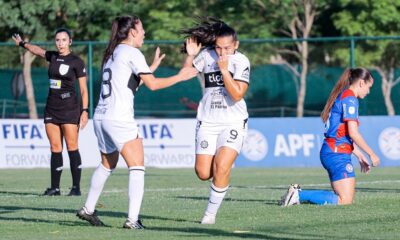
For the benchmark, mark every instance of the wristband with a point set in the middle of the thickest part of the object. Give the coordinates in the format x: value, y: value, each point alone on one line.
x: 22, y: 44
x: 85, y: 110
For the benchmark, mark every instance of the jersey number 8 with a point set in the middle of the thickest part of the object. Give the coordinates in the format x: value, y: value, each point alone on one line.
x: 106, y: 83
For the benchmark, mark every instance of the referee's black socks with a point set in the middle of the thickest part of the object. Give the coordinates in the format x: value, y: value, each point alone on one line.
x: 56, y: 166
x: 76, y: 168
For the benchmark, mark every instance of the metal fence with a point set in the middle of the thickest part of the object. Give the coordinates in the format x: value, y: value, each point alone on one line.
x: 324, y: 53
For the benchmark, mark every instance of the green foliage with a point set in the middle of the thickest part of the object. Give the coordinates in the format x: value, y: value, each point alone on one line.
x: 369, y: 18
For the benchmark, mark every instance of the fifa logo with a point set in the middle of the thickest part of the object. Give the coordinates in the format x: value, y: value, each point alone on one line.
x: 21, y: 131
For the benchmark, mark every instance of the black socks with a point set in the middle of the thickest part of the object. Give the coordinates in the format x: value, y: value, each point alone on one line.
x: 76, y: 168
x: 56, y: 166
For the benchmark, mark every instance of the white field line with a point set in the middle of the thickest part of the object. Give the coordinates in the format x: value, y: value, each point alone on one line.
x: 125, y: 190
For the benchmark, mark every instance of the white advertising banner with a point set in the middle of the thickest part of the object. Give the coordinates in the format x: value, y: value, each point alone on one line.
x: 168, y: 143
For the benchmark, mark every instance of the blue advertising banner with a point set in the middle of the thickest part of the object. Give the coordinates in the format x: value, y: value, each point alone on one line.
x: 295, y: 142
x: 169, y: 143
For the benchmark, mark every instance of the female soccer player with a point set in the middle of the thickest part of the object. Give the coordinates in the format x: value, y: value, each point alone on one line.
x: 342, y: 138
x: 124, y: 67
x: 63, y: 113
x: 222, y: 112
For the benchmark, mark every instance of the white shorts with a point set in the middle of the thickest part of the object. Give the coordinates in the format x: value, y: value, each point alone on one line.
x: 210, y: 136
x: 112, y: 135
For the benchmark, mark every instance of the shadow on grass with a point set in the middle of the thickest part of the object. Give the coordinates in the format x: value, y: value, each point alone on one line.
x: 20, y: 193
x: 101, y: 213
x: 213, y: 232
x: 264, y: 201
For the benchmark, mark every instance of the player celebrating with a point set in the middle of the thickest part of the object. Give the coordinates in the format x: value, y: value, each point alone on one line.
x: 222, y: 112
x: 115, y: 127
x: 63, y: 113
x: 342, y: 138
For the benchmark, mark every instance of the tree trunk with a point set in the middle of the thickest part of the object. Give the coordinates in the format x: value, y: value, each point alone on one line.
x: 30, y: 95
x: 303, y: 83
x: 387, y: 89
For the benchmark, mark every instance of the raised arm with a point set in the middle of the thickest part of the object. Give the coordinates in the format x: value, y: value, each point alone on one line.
x: 192, y: 48
x: 236, y: 89
x: 34, y: 49
x: 154, y: 83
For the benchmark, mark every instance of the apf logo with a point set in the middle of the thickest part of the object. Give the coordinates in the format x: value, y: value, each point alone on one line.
x: 389, y: 143
x: 294, y: 144
x: 21, y: 131
x: 255, y: 146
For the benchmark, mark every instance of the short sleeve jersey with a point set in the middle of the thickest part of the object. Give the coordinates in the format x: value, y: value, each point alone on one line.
x: 63, y: 73
x: 217, y: 106
x: 344, y: 109
x: 120, y: 80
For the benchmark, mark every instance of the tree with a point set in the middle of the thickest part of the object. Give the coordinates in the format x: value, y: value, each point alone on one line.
x: 38, y: 20
x: 390, y: 60
x: 373, y: 18
x: 29, y: 18
x: 298, y: 18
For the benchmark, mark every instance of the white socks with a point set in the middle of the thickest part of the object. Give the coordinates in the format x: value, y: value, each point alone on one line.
x: 136, y: 190
x: 99, y: 178
x: 215, y: 200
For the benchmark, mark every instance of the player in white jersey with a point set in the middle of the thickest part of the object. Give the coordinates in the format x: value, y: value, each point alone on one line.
x: 222, y: 113
x: 124, y: 67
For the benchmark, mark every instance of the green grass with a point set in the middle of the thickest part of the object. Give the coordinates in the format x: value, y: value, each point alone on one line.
x: 175, y: 199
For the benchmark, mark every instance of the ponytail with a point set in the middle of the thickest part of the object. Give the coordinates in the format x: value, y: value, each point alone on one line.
x: 339, y: 87
x: 349, y: 77
x: 119, y: 32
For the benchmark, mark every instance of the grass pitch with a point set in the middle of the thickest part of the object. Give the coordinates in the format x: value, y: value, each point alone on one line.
x: 175, y: 199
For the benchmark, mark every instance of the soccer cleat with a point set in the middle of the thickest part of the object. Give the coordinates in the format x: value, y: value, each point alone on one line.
x: 291, y: 197
x: 51, y: 192
x: 208, y: 219
x: 75, y: 191
x: 91, y: 218
x: 133, y: 225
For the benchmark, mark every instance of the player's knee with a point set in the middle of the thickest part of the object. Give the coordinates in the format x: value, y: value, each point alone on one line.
x: 222, y: 171
x: 71, y: 145
x: 56, y: 148
x: 203, y: 175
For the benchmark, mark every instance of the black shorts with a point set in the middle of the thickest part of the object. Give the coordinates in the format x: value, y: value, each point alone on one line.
x: 62, y: 112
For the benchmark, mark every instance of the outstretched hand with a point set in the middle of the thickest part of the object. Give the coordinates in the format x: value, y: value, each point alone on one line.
x: 157, y: 58
x: 17, y: 38
x: 192, y: 46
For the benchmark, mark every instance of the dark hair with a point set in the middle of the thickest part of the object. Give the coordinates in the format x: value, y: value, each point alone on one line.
x: 68, y: 32
x: 119, y: 32
x: 349, y: 77
x: 207, y: 30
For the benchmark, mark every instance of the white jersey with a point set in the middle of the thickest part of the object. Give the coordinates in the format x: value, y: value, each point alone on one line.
x: 120, y: 82
x: 217, y: 106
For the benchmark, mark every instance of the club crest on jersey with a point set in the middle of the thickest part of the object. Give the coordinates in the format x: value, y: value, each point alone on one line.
x: 352, y: 110
x: 204, y: 144
x: 63, y: 69
x: 349, y: 168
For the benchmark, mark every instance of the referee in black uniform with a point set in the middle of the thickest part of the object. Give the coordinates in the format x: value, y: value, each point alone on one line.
x: 64, y: 114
